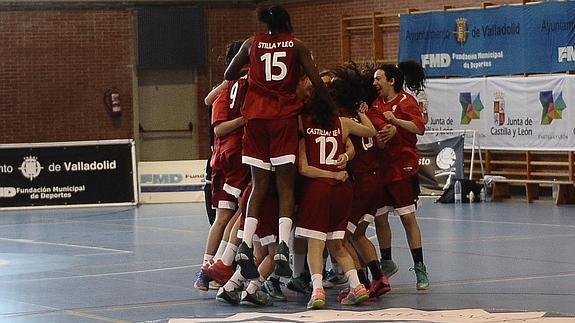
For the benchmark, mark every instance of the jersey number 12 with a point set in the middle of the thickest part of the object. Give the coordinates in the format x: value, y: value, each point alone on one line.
x: 323, y: 141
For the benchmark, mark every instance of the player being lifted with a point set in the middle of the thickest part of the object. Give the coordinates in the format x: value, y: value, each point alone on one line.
x: 276, y: 60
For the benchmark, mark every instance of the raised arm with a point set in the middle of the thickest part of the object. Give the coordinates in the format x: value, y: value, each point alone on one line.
x: 209, y: 99
x: 239, y: 61
x: 365, y: 129
x: 310, y: 69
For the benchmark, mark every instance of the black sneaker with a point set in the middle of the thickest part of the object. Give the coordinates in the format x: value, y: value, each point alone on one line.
x: 224, y: 296
x: 300, y: 284
x: 259, y: 298
x: 281, y: 258
x: 332, y: 279
x: 272, y: 287
x: 245, y: 259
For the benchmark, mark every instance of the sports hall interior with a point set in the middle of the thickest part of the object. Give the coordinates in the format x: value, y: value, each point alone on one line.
x: 508, y: 259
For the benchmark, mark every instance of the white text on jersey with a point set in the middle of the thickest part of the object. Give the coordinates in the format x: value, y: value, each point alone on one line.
x: 321, y: 132
x: 274, y: 45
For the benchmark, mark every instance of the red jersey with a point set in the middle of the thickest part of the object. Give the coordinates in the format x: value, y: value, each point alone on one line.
x: 323, y: 146
x: 377, y: 119
x: 366, y: 155
x: 273, y: 78
x: 227, y: 106
x: 399, y: 159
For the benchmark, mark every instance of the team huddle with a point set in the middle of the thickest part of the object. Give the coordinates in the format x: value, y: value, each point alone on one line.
x: 303, y: 163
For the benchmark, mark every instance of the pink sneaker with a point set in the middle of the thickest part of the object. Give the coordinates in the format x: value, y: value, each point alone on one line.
x: 379, y: 287
x: 317, y: 300
x: 342, y: 294
x: 356, y: 296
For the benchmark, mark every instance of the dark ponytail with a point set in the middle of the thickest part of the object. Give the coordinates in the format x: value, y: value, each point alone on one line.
x: 414, y: 75
x: 265, y: 16
x: 276, y: 18
x: 409, y: 73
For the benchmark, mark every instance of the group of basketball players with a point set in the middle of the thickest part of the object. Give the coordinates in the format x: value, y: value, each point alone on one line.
x: 302, y: 160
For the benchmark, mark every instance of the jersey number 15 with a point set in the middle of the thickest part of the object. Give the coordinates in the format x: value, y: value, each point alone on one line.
x: 273, y: 60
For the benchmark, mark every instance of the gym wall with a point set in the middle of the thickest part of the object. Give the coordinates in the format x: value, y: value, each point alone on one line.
x: 57, y: 63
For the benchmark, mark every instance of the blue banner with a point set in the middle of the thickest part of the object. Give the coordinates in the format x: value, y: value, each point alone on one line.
x: 505, y: 40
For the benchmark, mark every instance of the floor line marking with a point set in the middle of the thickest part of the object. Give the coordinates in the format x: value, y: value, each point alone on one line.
x: 136, y: 226
x: 100, y: 275
x: 101, y: 254
x: 374, y: 238
x: 28, y: 241
x: 493, y: 280
x: 496, y: 222
x: 94, y: 317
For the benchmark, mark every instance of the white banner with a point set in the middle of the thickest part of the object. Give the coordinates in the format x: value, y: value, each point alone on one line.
x: 523, y: 113
x: 172, y: 181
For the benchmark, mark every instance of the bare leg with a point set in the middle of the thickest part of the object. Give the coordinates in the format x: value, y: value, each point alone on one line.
x: 215, y: 234
x: 338, y: 250
x: 383, y: 231
x: 315, y: 261
x: 366, y: 249
x: 411, y: 230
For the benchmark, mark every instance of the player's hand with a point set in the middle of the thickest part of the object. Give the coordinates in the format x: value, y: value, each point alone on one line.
x: 386, y: 133
x: 341, y: 161
x: 390, y: 117
x: 342, y: 176
x: 362, y: 107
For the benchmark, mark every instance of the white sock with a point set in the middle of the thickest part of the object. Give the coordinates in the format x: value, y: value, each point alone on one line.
x: 235, y: 281
x: 298, y: 264
x: 255, y: 285
x: 229, y: 254
x: 221, y: 249
x: 250, y: 226
x: 207, y: 258
x: 352, y: 278
x: 285, y: 225
x: 316, y: 281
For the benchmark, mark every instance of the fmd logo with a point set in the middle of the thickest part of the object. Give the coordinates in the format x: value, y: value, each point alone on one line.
x: 435, y: 60
x: 161, y: 178
x: 566, y: 54
x: 7, y: 191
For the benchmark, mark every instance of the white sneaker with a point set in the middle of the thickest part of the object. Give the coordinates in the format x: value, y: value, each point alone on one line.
x: 214, y: 285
